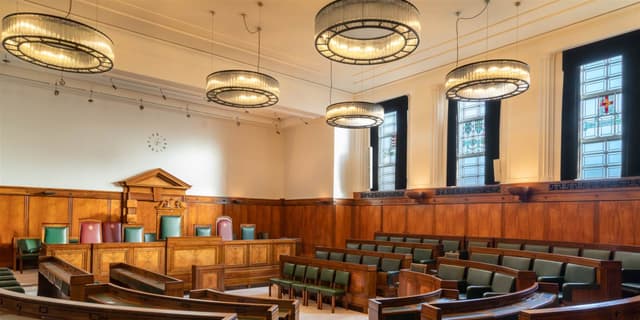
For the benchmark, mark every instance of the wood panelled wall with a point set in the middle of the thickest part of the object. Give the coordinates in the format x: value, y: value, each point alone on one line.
x: 608, y: 216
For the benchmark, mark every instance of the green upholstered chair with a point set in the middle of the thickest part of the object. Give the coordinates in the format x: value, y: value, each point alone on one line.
x: 150, y: 237
x: 352, y: 245
x: 430, y: 241
x: 396, y: 239
x: 509, y: 245
x: 324, y: 255
x: 371, y: 261
x: 368, y: 247
x: 336, y: 256
x: 630, y: 271
x: 169, y: 226
x: 338, y: 289
x: 18, y: 289
x: 202, y: 230
x: 248, y: 231
x: 422, y: 255
x: 132, y: 233
x: 325, y: 281
x: 477, y: 244
x: 287, y: 275
x: 536, y: 248
x: 353, y: 258
x: 381, y: 238
x: 485, y: 257
x: 392, y: 268
x: 418, y: 267
x: 310, y: 278
x: 55, y: 233
x: 477, y: 278
x: 298, y: 277
x: 25, y: 249
x: 518, y: 263
x: 403, y: 250
x: 596, y: 254
x: 383, y: 248
x: 450, y: 245
x: 577, y: 276
x: 7, y: 277
x: 454, y: 273
x: 413, y: 240
x: 567, y: 251
x: 501, y: 284
x: 547, y: 270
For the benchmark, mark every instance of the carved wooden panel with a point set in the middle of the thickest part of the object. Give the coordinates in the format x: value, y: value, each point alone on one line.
x: 103, y: 257
x: 183, y: 252
x: 235, y: 255
x: 619, y: 222
x: 259, y: 254
x: 286, y: 249
x: 78, y: 255
x: 149, y: 258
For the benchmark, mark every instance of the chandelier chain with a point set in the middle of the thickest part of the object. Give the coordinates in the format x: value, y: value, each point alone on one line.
x: 69, y: 11
x: 213, y: 14
x: 330, y: 81
x: 486, y: 5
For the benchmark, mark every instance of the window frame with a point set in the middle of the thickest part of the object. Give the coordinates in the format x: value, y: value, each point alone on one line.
x: 401, y: 106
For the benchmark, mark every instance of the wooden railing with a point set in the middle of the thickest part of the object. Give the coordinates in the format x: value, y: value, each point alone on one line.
x: 59, y: 279
x: 289, y: 309
x: 128, y: 276
x: 620, y: 309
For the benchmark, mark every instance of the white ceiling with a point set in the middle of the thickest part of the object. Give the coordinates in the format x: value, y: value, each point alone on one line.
x: 288, y: 32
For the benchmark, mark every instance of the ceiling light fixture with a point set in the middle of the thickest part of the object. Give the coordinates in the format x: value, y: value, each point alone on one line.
x: 487, y: 79
x: 243, y: 88
x: 367, y: 31
x: 57, y: 42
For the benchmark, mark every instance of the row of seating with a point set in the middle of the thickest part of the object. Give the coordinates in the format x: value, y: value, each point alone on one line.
x: 447, y: 244
x: 420, y: 255
x: 8, y: 281
x: 476, y: 283
x: 311, y: 280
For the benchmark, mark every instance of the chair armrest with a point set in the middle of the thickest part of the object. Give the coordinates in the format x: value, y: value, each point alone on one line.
x: 631, y: 275
x: 393, y: 277
x: 474, y: 292
x: 553, y: 279
x: 493, y: 294
x: 567, y: 289
x: 426, y: 261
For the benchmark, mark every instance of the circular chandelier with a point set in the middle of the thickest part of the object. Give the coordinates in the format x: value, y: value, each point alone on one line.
x: 488, y: 80
x: 243, y: 89
x: 365, y: 32
x: 355, y: 115
x: 57, y: 43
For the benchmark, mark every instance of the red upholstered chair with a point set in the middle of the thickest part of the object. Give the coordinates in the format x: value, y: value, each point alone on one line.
x: 90, y: 231
x: 224, y: 227
x: 111, y: 232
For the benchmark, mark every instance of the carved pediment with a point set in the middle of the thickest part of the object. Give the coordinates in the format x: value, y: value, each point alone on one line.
x: 156, y: 178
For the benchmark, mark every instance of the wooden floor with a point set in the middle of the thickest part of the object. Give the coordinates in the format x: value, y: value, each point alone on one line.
x: 29, y: 281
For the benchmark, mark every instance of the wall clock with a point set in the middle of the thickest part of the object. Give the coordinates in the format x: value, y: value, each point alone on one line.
x: 157, y: 143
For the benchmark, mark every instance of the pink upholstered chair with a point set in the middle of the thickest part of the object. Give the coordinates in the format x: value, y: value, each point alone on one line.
x: 224, y: 227
x: 112, y: 232
x: 90, y: 231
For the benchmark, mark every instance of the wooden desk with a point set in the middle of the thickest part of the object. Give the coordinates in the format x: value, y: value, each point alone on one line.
x: 77, y: 254
x: 18, y: 304
x: 417, y: 283
x: 149, y: 256
x: 128, y: 276
x: 628, y: 308
x: 59, y: 279
x: 184, y: 252
x: 289, y: 309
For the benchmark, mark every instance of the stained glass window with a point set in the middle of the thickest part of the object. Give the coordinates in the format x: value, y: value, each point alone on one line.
x: 387, y: 142
x: 600, y: 136
x: 471, y: 144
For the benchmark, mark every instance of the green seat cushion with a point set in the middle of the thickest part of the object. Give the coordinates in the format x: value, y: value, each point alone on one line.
x: 248, y: 233
x: 331, y: 291
x: 316, y: 288
x: 567, y: 251
x: 390, y: 264
x: 477, y: 243
x: 56, y: 235
x: 450, y: 272
x: 352, y: 258
x: 149, y: 237
x: 336, y: 256
x: 31, y: 245
x: 368, y: 247
x: 485, y: 257
x: 18, y: 289
x: 430, y: 241
x: 9, y: 283
x: 579, y: 274
x: 396, y: 239
x: 324, y: 255
x: 7, y: 277
x: 518, y: 263
x: 203, y: 231
x: 547, y: 268
x: 351, y: 245
x: 596, y: 254
x: 381, y: 238
x: 502, y: 283
x: 133, y: 234
x: 414, y: 240
x: 536, y: 248
x: 507, y: 245
x: 479, y: 277
x: 629, y: 260
x: 382, y: 248
x: 170, y: 226
x: 404, y: 250
x: 450, y: 245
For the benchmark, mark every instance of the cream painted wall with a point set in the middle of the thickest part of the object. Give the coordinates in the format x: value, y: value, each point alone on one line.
x: 530, y: 123
x: 66, y: 142
x: 308, y: 159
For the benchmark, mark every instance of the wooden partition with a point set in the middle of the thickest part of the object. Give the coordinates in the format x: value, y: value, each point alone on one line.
x: 128, y: 276
x: 524, y: 279
x: 416, y: 283
x: 405, y: 307
x: 78, y: 255
x: 184, y: 252
x: 362, y: 278
x: 405, y: 259
x: 289, y: 308
x: 147, y: 255
x: 436, y: 249
x: 59, y: 279
x: 618, y: 309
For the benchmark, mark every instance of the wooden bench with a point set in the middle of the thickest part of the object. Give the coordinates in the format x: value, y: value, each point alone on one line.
x: 362, y: 279
x: 416, y: 283
x: 32, y: 307
x: 289, y: 309
x: 608, y: 274
x: 524, y: 279
x: 407, y: 307
x: 128, y: 276
x: 436, y: 249
x: 498, y: 307
x: 111, y: 294
x: 628, y: 308
x: 60, y: 279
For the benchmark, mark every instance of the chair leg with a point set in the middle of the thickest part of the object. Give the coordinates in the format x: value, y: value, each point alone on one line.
x: 319, y: 302
x: 270, y: 285
x: 21, y: 265
x: 305, y: 297
x: 333, y: 304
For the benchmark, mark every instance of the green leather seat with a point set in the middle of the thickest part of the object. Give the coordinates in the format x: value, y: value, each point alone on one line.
x: 56, y: 235
x: 133, y: 234
x: 596, y: 254
x: 577, y: 276
x: 413, y: 240
x: 368, y: 247
x: 352, y: 245
x: 547, y: 270
x: 477, y: 244
x: 371, y: 261
x: 18, y: 289
x: 287, y: 274
x: 509, y: 245
x: 336, y: 256
x: 382, y: 248
x: 248, y: 232
x: 392, y: 268
x: 450, y: 245
x: 7, y: 277
x: 451, y: 272
x: 536, y: 248
x: 324, y: 255
x: 170, y: 226
x: 567, y: 251
x: 298, y: 277
x: 9, y: 283
x: 477, y: 278
x: 203, y: 231
x: 339, y: 289
x: 403, y: 250
x: 396, y: 239
x: 353, y: 258
x: 485, y: 257
x: 518, y: 263
x: 501, y: 284
x: 430, y: 241
x: 310, y: 278
x: 381, y: 238
x: 149, y: 237
x: 28, y: 249
x: 423, y: 256
x: 630, y: 271
x: 325, y: 281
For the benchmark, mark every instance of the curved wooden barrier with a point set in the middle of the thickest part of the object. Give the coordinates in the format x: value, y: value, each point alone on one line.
x: 524, y: 279
x: 620, y: 309
x: 111, y: 294
x: 12, y: 303
x: 59, y: 279
x: 289, y: 309
x: 128, y: 276
x: 407, y: 307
